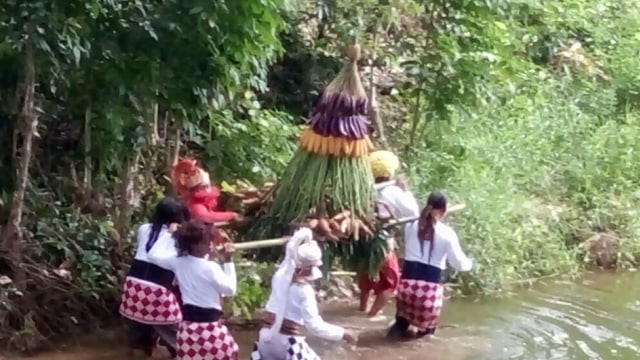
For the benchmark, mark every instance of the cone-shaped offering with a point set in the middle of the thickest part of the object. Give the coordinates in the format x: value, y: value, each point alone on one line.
x: 338, y: 124
x: 328, y: 184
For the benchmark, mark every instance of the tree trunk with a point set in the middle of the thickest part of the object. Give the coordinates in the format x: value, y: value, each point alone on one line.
x: 374, y: 114
x: 86, y: 181
x: 151, y: 124
x: 173, y: 152
x: 154, y: 126
x: 175, y: 155
x: 127, y: 201
x: 127, y: 197
x: 173, y: 145
x: 28, y: 123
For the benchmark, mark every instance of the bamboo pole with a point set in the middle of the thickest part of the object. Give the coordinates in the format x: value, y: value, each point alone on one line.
x: 258, y: 244
x: 384, y: 184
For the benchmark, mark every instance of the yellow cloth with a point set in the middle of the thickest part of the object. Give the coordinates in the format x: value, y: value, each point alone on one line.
x: 383, y: 163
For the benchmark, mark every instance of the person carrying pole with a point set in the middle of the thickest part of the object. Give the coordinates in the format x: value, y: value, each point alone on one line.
x: 429, y: 245
x: 203, y: 282
x: 149, y: 300
x: 392, y: 201
x: 292, y: 305
x: 203, y: 198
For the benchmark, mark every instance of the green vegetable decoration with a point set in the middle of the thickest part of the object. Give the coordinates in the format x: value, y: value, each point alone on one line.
x: 328, y: 184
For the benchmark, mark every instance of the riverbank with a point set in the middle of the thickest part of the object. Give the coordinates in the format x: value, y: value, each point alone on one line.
x: 589, y: 319
x: 548, y: 181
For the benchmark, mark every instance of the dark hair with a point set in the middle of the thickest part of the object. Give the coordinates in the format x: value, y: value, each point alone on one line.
x: 436, y: 201
x: 169, y: 210
x: 191, y: 233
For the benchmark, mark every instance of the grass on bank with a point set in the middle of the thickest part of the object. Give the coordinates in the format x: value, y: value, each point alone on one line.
x: 540, y: 174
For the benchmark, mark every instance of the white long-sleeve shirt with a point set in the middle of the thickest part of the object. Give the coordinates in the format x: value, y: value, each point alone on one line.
x: 202, y: 282
x: 446, y: 248
x: 401, y: 202
x: 164, y: 246
x: 302, y: 308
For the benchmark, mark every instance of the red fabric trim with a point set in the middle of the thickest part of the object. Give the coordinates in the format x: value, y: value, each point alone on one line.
x: 203, y: 205
x: 201, y: 212
x: 389, y: 277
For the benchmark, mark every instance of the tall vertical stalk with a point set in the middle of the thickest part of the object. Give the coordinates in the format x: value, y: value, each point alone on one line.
x: 27, y: 125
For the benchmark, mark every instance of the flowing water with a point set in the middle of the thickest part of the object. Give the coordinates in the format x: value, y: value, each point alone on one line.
x: 595, y: 318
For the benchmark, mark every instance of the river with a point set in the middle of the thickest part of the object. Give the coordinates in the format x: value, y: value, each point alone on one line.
x: 594, y: 318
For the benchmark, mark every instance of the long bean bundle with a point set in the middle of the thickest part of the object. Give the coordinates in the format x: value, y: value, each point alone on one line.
x: 329, y: 178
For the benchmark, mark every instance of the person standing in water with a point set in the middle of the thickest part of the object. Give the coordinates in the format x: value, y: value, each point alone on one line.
x: 392, y: 201
x: 147, y: 300
x: 292, y: 305
x: 429, y: 245
x: 201, y: 334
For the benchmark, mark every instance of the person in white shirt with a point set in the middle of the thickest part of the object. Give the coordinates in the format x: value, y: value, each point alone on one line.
x: 429, y: 245
x: 392, y: 201
x: 149, y: 301
x: 201, y: 335
x: 292, y: 305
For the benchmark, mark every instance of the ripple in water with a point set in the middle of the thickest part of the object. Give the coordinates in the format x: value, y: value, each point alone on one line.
x: 595, y: 319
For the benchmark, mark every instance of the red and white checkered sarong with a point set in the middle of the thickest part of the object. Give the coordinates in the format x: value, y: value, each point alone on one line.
x: 205, y: 341
x: 149, y: 303
x: 420, y: 302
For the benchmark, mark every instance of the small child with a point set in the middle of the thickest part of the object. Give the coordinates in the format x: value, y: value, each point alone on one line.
x: 203, y: 282
x: 384, y: 288
x: 392, y: 201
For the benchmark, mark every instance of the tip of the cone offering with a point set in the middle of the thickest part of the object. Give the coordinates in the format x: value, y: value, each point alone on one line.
x: 354, y: 52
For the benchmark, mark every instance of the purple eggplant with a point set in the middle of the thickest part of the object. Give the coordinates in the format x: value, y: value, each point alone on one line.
x: 335, y: 124
x: 340, y: 116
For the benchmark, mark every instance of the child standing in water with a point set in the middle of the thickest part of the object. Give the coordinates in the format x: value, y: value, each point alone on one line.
x: 429, y: 245
x: 201, y: 334
x: 392, y: 201
x: 292, y: 306
x: 148, y: 303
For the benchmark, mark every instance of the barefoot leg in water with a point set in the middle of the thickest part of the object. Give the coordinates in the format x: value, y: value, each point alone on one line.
x: 387, y: 283
x: 365, y: 284
x: 380, y: 301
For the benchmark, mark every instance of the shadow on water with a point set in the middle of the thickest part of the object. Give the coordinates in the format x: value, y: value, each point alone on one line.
x: 594, y: 318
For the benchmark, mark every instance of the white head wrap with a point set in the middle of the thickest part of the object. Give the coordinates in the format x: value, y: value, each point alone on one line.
x: 301, y: 252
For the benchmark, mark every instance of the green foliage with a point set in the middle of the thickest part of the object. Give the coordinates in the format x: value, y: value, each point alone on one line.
x: 71, y: 235
x: 120, y: 85
x: 254, y: 282
x: 255, y: 148
x: 554, y: 173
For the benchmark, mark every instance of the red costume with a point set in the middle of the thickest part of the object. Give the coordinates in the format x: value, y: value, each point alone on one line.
x: 195, y: 189
x: 388, y: 277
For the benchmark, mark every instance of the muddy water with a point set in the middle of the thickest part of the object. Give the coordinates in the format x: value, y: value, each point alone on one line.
x: 596, y: 318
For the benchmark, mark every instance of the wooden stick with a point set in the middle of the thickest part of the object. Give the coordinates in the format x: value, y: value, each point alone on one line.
x: 382, y: 185
x: 409, y: 219
x: 222, y: 224
x: 258, y: 244
x: 225, y: 224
